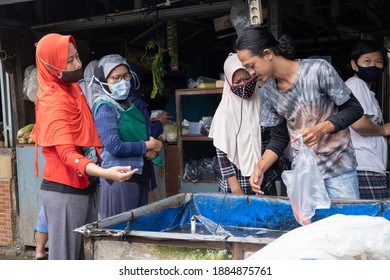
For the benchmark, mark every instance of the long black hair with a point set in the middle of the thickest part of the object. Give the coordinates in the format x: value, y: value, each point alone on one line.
x: 257, y: 39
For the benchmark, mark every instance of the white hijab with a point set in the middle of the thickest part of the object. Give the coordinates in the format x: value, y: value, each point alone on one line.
x: 236, y: 125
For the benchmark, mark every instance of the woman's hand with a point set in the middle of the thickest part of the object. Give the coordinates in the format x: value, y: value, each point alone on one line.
x: 153, y: 145
x: 164, y: 118
x: 150, y: 155
x: 120, y: 173
x: 234, y: 185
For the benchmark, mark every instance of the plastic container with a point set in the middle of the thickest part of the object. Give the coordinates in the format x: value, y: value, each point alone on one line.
x: 205, y: 82
x: 195, y: 128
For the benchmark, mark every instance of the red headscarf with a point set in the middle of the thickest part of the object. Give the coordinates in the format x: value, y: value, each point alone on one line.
x: 62, y: 113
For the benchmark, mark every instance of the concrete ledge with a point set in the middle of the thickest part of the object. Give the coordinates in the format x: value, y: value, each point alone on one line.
x: 7, y: 157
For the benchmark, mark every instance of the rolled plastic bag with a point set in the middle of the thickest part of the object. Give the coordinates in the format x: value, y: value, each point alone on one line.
x: 305, y: 186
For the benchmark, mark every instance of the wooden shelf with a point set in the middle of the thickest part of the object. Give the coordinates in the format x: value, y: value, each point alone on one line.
x: 195, y: 138
x: 198, y: 91
x: 210, y: 185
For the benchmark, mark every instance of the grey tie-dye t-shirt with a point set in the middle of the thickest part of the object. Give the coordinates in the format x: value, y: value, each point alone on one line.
x: 313, y: 97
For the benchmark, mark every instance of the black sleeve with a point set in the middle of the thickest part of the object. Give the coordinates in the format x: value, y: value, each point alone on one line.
x: 349, y: 112
x: 279, y: 138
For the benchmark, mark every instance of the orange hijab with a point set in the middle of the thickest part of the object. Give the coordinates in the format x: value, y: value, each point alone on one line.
x: 62, y: 113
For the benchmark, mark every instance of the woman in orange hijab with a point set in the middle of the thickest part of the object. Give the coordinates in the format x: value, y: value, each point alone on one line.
x: 65, y: 130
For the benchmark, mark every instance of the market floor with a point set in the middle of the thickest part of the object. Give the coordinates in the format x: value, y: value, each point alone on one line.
x: 5, y: 254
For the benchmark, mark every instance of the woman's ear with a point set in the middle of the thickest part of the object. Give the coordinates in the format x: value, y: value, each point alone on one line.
x: 354, y: 65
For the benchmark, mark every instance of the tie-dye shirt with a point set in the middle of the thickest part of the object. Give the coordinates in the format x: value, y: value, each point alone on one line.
x: 312, y: 99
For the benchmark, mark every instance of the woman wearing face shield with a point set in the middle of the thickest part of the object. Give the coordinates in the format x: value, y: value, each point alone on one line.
x: 369, y: 133
x: 64, y: 128
x: 236, y: 131
x: 125, y: 133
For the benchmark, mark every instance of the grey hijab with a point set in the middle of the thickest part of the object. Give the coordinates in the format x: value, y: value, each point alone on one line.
x: 105, y: 66
x: 85, y: 83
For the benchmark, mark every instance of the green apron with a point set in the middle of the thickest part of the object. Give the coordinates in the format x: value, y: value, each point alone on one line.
x: 132, y: 127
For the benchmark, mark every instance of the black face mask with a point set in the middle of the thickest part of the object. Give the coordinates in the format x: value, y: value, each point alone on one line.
x: 71, y: 76
x: 368, y: 74
x: 67, y: 76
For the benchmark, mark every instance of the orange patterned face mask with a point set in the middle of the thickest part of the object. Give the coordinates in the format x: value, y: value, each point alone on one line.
x: 246, y: 89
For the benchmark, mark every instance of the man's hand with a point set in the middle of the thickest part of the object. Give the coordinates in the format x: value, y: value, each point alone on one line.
x: 311, y: 136
x: 256, y: 179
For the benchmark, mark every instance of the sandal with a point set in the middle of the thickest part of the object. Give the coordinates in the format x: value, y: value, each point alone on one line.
x: 46, y: 257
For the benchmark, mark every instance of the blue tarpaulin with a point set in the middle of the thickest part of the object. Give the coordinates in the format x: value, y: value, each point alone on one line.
x: 245, y: 212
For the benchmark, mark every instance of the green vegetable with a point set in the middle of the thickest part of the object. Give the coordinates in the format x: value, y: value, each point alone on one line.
x: 158, y: 70
x: 171, y: 130
x: 171, y: 137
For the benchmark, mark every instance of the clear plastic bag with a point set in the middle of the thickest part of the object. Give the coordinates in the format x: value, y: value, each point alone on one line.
x: 305, y: 186
x: 206, y: 125
x: 202, y: 82
x: 30, y: 83
x: 239, y: 17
